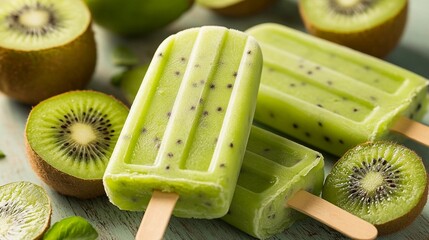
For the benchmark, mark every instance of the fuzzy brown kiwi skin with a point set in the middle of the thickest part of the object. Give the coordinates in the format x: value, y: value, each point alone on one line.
x: 372, y: 41
x: 404, y: 221
x: 32, y: 76
x: 244, y: 8
x: 62, y: 182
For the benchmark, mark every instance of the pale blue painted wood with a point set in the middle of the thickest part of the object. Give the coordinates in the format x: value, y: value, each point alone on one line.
x: 111, y: 223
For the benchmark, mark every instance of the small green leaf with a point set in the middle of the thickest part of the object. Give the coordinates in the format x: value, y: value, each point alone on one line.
x: 123, y: 56
x: 2, y: 155
x: 76, y: 228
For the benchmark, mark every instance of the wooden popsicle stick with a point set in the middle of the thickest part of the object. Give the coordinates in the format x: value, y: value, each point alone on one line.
x: 157, y: 215
x: 412, y: 129
x: 333, y: 216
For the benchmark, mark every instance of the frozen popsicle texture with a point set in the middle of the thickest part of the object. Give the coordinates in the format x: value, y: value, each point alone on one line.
x: 330, y: 96
x: 274, y: 168
x: 189, y: 123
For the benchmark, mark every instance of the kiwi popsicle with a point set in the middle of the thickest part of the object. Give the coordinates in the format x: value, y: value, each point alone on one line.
x: 330, y: 96
x: 274, y: 169
x: 188, y: 126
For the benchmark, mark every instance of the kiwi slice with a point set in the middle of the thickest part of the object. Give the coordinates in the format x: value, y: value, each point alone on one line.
x: 370, y: 26
x: 382, y: 182
x: 70, y: 138
x: 46, y: 47
x: 25, y: 211
x: 236, y: 8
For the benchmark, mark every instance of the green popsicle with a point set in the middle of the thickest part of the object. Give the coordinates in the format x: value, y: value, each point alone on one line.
x: 330, y: 96
x: 188, y: 126
x: 274, y: 168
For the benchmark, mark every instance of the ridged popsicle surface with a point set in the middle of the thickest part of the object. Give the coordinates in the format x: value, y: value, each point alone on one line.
x: 330, y: 96
x: 188, y: 126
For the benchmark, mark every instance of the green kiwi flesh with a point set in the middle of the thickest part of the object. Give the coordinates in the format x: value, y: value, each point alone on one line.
x: 69, y: 140
x: 25, y: 211
x: 383, y: 183
x: 46, y: 47
x: 370, y: 26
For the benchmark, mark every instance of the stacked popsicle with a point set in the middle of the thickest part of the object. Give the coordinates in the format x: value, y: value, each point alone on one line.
x: 274, y: 169
x: 187, y: 132
x: 329, y: 96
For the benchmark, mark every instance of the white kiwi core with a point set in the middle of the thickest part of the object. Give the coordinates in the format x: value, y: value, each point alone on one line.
x: 82, y: 133
x: 348, y: 3
x: 372, y: 181
x: 34, y: 18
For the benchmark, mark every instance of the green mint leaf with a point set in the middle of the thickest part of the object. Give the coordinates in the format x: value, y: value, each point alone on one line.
x: 71, y: 228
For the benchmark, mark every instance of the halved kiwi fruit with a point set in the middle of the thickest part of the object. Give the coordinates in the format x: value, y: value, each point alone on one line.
x: 25, y: 211
x: 370, y: 26
x: 46, y: 47
x: 383, y: 183
x: 70, y: 138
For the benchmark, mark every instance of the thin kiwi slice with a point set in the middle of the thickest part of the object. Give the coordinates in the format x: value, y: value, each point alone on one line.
x: 383, y: 183
x: 370, y: 26
x: 70, y: 138
x: 46, y: 47
x: 25, y: 211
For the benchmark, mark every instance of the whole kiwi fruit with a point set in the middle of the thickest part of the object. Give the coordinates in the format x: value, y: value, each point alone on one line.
x: 46, y: 47
x: 132, y: 18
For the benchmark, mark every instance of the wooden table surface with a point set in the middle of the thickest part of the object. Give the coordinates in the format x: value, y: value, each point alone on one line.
x: 111, y: 223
